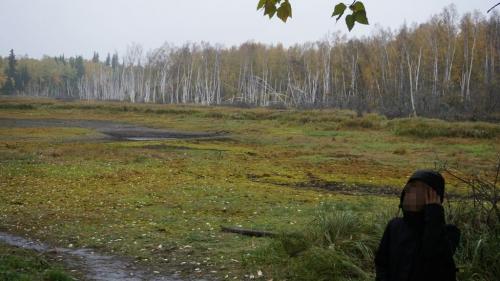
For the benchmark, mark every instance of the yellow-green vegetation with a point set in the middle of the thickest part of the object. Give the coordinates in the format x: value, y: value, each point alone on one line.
x: 162, y: 201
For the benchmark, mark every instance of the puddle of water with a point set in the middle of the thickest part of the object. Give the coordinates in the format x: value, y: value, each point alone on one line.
x: 112, y: 129
x: 95, y: 266
x: 146, y: 139
x: 23, y: 243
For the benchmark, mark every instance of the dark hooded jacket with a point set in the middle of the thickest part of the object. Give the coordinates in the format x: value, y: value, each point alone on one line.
x: 418, y: 247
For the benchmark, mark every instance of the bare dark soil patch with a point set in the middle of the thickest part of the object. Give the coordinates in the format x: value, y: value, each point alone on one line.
x: 341, y: 187
x: 112, y: 130
x: 176, y: 147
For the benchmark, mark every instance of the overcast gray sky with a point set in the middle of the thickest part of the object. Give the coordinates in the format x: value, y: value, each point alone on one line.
x: 79, y: 27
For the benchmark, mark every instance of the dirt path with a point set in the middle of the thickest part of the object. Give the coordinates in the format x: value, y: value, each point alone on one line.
x: 92, y: 265
x: 110, y: 129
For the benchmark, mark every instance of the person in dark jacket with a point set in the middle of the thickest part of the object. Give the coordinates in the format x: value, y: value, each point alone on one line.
x: 419, y: 246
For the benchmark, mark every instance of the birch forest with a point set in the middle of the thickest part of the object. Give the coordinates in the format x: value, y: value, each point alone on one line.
x: 447, y: 67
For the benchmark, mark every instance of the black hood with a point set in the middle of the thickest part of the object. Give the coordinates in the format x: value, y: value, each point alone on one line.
x: 432, y: 178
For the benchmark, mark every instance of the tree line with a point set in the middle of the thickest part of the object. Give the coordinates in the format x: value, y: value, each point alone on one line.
x: 447, y: 67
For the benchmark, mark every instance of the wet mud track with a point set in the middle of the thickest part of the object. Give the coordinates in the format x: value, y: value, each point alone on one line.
x: 110, y: 129
x: 92, y: 265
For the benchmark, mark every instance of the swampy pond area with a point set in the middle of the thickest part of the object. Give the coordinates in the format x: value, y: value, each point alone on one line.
x: 122, y: 191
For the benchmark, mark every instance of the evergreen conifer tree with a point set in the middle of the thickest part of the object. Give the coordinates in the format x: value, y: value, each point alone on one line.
x: 114, y: 61
x: 80, y: 67
x: 11, y: 73
x: 108, y: 60
x: 95, y: 58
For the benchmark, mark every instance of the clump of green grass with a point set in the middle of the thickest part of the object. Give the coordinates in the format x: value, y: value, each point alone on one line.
x: 215, y: 115
x: 428, y: 128
x: 56, y: 275
x: 339, y: 244
x: 477, y: 257
x: 24, y: 265
x: 368, y: 121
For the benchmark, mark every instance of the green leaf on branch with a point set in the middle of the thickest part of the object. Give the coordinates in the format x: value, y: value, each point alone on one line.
x: 285, y: 11
x: 357, y: 6
x: 270, y: 8
x: 360, y: 16
x: 261, y: 4
x: 349, y: 20
x: 339, y: 10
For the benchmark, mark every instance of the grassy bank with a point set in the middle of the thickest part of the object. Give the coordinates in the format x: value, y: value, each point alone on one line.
x: 23, y: 265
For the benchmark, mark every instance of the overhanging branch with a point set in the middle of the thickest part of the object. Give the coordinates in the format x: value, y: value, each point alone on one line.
x: 493, y: 7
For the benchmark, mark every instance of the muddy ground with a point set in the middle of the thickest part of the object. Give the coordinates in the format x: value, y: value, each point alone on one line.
x: 87, y: 262
x: 109, y: 129
x: 90, y: 264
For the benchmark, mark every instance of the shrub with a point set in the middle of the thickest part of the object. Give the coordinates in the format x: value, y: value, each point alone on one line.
x: 477, y: 256
x: 428, y: 128
x: 215, y: 115
x: 400, y: 151
x: 17, y: 106
x: 478, y: 218
x: 368, y: 121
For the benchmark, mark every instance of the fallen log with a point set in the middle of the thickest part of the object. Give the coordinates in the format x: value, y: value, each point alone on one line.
x: 248, y: 232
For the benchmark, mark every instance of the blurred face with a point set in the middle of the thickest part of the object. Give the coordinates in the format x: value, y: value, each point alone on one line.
x: 414, y: 198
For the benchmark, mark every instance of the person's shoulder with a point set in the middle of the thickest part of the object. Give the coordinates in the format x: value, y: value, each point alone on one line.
x: 453, y: 231
x: 394, y: 222
x: 394, y: 226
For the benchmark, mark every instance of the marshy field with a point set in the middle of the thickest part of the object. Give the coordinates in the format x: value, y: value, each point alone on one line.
x: 149, y: 187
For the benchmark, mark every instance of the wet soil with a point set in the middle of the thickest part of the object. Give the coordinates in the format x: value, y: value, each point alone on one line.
x: 342, y: 187
x: 110, y: 129
x: 90, y: 264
